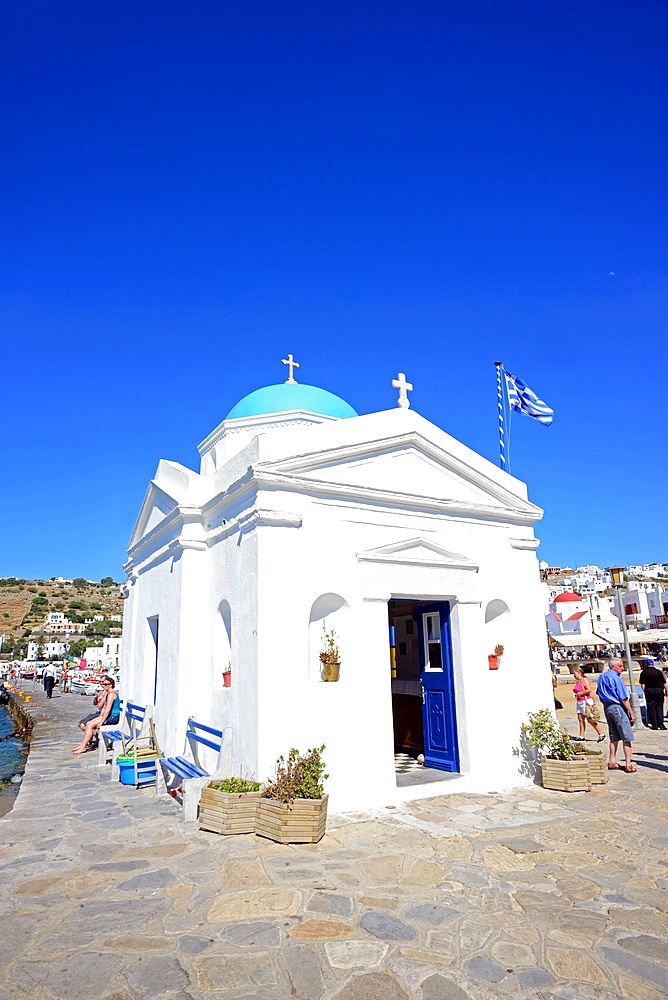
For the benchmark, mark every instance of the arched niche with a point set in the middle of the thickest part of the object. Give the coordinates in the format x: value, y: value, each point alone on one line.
x: 498, y: 630
x: 329, y: 612
x: 496, y: 609
x: 222, y: 642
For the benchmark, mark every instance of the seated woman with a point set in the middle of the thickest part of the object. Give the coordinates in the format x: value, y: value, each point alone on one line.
x: 110, y: 714
x: 98, y: 702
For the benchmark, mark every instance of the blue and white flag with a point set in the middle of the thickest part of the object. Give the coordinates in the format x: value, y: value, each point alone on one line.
x: 522, y: 399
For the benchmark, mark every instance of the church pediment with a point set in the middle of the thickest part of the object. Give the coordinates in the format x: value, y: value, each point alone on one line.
x: 173, y: 486
x: 418, y: 552
x: 156, y: 507
x: 407, y: 466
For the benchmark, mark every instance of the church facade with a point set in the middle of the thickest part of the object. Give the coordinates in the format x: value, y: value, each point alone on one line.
x: 306, y: 519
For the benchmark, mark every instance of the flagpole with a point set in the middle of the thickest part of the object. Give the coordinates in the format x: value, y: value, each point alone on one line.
x: 502, y: 433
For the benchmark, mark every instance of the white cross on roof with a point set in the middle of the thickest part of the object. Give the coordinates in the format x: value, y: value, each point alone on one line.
x: 291, y: 363
x: 404, y: 387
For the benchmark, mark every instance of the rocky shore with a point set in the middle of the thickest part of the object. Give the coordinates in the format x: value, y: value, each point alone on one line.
x: 13, y: 753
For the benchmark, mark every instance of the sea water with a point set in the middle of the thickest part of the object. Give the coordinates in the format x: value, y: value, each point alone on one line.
x: 12, y: 754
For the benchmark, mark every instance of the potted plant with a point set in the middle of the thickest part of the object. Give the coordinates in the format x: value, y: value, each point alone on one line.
x: 227, y: 675
x: 330, y: 656
x: 560, y: 768
x: 292, y: 808
x: 229, y: 806
x: 493, y: 658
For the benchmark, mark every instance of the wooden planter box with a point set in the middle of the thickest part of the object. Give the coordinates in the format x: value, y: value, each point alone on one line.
x: 597, y: 765
x: 228, y: 812
x: 303, y: 822
x: 566, y: 775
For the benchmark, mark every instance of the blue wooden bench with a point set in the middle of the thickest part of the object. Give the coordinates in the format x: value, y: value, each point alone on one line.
x: 132, y: 720
x: 183, y: 778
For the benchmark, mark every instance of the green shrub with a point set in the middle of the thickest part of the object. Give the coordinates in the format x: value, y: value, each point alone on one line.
x: 300, y: 777
x: 542, y: 733
x: 236, y: 785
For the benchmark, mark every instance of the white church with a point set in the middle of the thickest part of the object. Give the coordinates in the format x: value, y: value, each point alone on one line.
x: 416, y: 552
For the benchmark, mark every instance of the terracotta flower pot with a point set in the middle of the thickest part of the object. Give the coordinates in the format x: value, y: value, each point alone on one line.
x: 493, y: 662
x: 227, y: 679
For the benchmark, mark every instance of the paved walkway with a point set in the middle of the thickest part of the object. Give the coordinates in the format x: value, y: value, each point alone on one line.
x: 106, y: 893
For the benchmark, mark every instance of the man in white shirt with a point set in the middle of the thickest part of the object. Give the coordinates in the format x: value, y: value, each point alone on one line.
x: 49, y: 680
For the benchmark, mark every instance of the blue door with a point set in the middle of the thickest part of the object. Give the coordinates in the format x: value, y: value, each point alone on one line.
x: 438, y: 689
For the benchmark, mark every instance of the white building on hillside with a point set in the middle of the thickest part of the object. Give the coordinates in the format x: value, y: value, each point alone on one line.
x: 46, y: 650
x: 648, y: 571
x: 108, y: 656
x: 645, y: 603
x: 417, y: 552
x: 58, y: 623
x: 588, y: 580
x: 589, y: 617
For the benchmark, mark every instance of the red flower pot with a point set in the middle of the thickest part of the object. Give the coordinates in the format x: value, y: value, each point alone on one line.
x: 493, y: 662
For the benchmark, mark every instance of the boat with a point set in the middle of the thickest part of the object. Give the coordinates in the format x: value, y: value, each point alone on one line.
x: 84, y: 685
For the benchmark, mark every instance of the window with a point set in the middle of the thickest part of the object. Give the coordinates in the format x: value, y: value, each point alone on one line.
x: 432, y: 641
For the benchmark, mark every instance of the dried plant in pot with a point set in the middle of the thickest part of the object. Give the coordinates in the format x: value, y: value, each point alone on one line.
x: 229, y: 806
x: 292, y: 808
x: 494, y: 658
x: 561, y: 769
x: 330, y: 657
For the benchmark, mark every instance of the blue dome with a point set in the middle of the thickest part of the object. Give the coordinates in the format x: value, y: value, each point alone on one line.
x: 291, y: 396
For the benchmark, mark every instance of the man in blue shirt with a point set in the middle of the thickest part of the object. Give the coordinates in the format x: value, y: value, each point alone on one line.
x: 614, y: 696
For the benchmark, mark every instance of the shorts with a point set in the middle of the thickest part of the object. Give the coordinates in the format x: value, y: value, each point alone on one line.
x: 581, y: 707
x: 619, y: 725
x: 88, y: 718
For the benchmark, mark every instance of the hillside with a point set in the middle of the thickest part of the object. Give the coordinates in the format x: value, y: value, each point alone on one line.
x: 14, y: 607
x: 24, y: 604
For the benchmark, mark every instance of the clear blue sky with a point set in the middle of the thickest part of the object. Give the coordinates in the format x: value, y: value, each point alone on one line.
x: 190, y: 192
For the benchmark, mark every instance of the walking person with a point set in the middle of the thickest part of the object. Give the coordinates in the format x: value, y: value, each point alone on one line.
x: 585, y: 706
x: 618, y: 714
x: 555, y: 682
x: 49, y: 680
x: 654, y: 685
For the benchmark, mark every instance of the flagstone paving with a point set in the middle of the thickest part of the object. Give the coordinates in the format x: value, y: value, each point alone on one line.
x: 531, y: 893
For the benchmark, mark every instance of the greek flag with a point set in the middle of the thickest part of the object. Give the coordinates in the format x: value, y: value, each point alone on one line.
x: 522, y: 399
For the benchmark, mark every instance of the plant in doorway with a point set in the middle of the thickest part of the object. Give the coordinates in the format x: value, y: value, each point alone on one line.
x: 556, y: 753
x: 330, y: 656
x: 292, y: 808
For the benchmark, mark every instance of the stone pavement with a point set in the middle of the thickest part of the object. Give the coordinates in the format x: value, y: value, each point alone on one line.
x: 106, y: 893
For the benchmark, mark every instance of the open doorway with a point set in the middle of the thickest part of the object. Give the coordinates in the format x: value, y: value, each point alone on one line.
x: 423, y: 695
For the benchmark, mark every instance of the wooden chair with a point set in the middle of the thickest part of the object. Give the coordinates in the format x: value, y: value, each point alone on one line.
x: 145, y: 753
x: 133, y: 721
